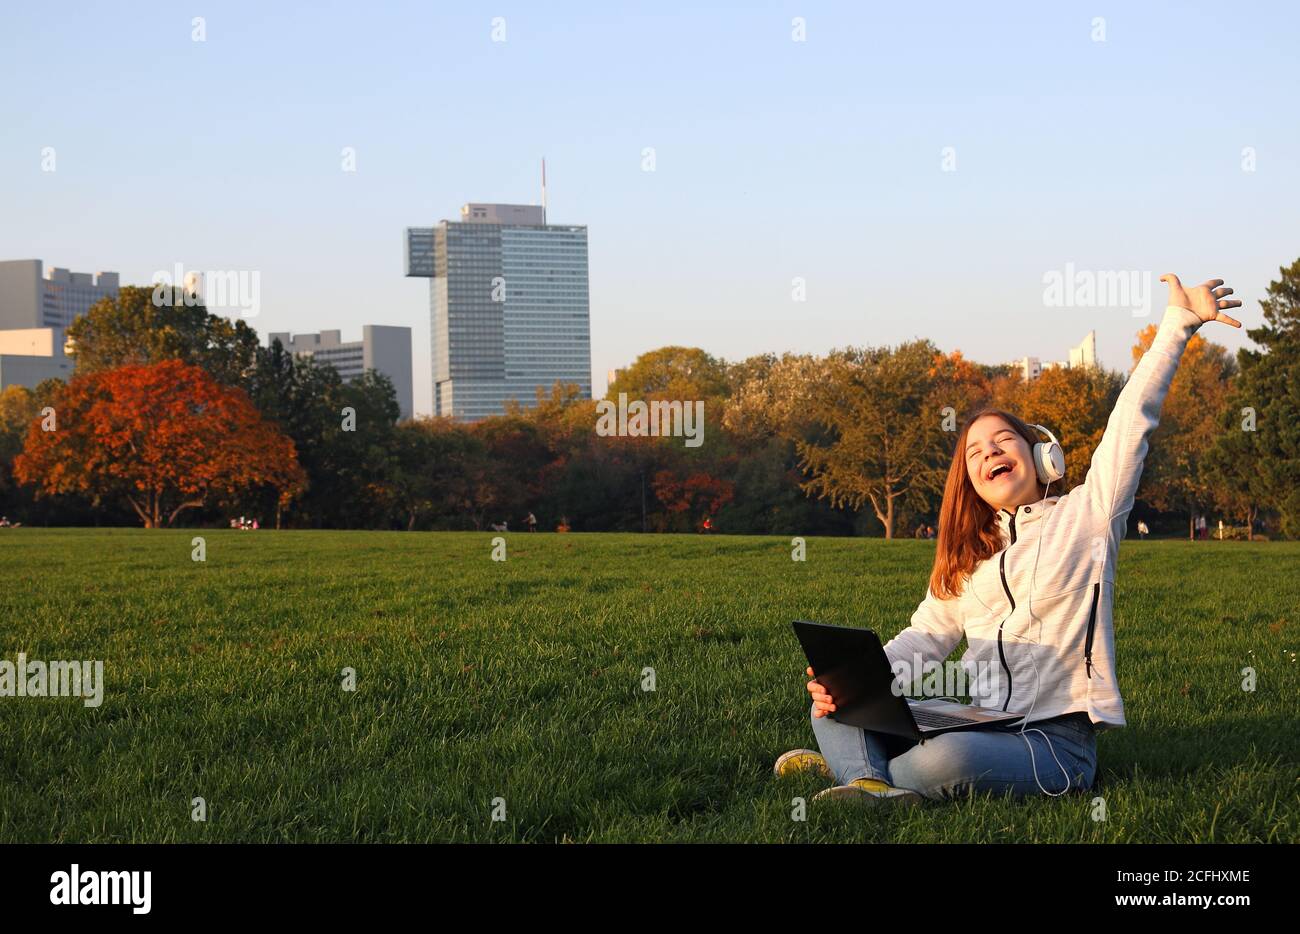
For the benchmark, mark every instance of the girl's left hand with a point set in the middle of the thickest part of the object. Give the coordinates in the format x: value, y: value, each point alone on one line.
x: 1204, y: 300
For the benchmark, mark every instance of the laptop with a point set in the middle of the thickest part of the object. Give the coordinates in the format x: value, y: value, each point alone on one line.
x: 852, y: 665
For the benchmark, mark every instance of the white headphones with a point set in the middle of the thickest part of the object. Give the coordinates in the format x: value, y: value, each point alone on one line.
x: 1049, y: 459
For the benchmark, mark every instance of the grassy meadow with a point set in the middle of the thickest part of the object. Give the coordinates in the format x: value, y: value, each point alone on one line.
x: 520, y: 683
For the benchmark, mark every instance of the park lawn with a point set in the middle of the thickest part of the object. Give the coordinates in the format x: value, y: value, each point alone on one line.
x: 516, y: 686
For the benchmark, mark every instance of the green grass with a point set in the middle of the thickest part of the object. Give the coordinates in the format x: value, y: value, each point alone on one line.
x: 522, y: 680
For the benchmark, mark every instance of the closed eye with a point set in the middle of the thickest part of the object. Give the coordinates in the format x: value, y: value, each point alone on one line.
x: 1001, y: 434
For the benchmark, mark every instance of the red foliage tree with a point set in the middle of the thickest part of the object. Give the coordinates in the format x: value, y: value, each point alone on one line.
x: 699, y: 493
x: 167, y: 437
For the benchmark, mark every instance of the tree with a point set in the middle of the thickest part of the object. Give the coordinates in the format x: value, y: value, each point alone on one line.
x: 685, y: 373
x: 18, y: 406
x: 883, y: 439
x: 770, y: 396
x: 166, y: 437
x: 591, y: 482
x: 517, y: 455
x: 149, y: 325
x: 343, y: 433
x: 1258, y: 451
x: 440, y: 473
x: 1174, y: 476
x: 960, y: 384
x: 1234, y: 483
x: 1074, y: 403
x: 697, y: 494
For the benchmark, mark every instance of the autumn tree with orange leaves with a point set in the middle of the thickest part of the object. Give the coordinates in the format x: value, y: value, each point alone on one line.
x: 697, y: 494
x: 1074, y: 403
x: 166, y: 437
x: 1174, y: 479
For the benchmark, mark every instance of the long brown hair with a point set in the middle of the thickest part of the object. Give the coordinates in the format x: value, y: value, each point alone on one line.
x: 968, y: 526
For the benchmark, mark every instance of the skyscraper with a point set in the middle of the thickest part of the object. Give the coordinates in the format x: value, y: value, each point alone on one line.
x: 509, y: 306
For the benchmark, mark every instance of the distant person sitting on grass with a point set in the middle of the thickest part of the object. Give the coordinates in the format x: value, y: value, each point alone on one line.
x: 1019, y: 574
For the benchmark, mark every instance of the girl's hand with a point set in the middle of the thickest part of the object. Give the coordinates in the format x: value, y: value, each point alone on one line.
x: 822, y: 703
x: 1204, y: 301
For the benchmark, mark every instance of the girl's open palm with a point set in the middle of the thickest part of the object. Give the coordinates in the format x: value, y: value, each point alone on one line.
x: 1206, y: 300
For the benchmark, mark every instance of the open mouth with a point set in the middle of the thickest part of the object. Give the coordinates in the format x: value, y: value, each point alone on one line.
x: 1000, y: 470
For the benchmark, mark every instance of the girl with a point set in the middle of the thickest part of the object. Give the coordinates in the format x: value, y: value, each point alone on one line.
x: 1037, y: 620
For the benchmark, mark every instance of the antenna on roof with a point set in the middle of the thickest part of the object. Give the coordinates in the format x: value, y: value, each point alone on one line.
x: 543, y: 191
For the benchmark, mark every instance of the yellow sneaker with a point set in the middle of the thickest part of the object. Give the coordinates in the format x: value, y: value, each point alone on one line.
x: 801, y: 760
x: 870, y: 791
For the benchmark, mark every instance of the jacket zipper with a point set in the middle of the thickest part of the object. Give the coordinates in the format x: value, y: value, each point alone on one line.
x: 1002, y: 569
x: 1092, y: 623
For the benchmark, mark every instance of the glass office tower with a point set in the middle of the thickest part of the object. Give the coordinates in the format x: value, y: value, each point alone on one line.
x: 509, y: 305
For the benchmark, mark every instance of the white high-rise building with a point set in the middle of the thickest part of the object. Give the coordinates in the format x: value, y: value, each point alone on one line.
x: 1085, y: 354
x: 33, y: 298
x: 509, y: 306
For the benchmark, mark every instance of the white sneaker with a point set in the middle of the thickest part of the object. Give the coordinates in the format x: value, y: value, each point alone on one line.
x: 870, y: 791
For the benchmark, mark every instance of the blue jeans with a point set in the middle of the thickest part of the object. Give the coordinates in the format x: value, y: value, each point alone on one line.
x: 955, y: 764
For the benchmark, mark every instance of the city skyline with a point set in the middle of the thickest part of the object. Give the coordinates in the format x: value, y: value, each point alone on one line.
x: 720, y: 165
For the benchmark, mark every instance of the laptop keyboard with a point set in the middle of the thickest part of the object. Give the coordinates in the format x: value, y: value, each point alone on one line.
x: 930, y: 718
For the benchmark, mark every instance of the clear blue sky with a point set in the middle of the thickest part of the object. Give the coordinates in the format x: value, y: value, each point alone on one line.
x: 774, y: 158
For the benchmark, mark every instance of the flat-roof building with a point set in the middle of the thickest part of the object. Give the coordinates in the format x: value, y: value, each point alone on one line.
x: 29, y: 356
x: 383, y: 348
x: 31, y: 297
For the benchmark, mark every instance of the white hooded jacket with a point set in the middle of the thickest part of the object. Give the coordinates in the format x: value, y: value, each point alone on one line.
x: 1059, y: 658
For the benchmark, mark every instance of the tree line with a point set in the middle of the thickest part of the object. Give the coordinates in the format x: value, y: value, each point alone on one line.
x: 175, y: 416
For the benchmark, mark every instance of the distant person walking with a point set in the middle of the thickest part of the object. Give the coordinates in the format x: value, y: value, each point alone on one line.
x: 532, y: 522
x: 1143, y: 531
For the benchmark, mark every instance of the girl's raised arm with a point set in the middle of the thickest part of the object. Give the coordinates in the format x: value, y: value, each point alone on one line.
x: 1116, y: 468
